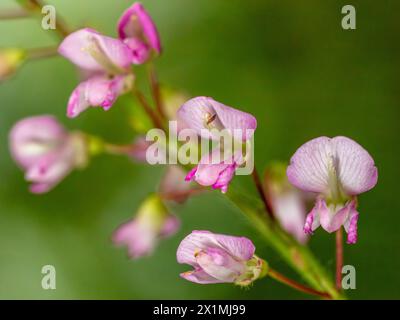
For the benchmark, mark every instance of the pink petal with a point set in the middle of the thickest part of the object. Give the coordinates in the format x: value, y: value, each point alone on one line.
x: 99, y: 91
x: 170, y: 227
x: 312, y: 220
x: 140, y: 51
x: 308, y: 169
x: 225, y: 178
x: 290, y: 210
x: 332, y: 217
x: 220, y: 264
x: 129, y: 27
x: 312, y: 164
x: 351, y: 224
x: 33, y: 137
x: 92, y: 51
x: 139, y: 239
x: 173, y: 185
x: 356, y: 168
x: 240, y: 247
x: 195, y: 112
x: 199, y: 276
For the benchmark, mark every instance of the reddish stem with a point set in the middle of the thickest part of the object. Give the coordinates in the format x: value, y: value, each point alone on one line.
x: 339, y: 258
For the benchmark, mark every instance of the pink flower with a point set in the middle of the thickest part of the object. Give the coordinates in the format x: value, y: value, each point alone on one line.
x: 173, y: 186
x: 288, y: 203
x: 46, y: 151
x: 139, y: 33
x: 220, y: 258
x: 106, y: 61
x: 338, y: 169
x: 204, y: 113
x: 217, y: 174
x: 151, y: 224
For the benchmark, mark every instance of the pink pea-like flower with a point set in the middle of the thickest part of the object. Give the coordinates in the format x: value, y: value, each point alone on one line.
x: 106, y: 61
x: 138, y: 31
x: 218, y: 258
x: 337, y: 169
x: 151, y: 224
x: 46, y: 151
x: 209, y: 118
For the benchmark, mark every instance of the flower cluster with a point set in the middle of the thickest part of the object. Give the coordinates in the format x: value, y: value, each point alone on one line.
x: 332, y: 172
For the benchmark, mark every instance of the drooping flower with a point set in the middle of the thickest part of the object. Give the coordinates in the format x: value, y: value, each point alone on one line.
x: 337, y: 169
x: 218, y: 258
x: 214, y: 173
x: 138, y: 31
x: 106, y: 61
x: 151, y: 223
x: 288, y: 203
x: 10, y: 60
x: 46, y: 151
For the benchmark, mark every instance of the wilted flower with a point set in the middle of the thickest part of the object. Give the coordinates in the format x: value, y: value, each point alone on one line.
x: 139, y: 33
x: 46, y: 151
x: 10, y: 60
x: 151, y: 223
x: 338, y: 169
x: 106, y: 60
x: 288, y: 203
x: 218, y: 258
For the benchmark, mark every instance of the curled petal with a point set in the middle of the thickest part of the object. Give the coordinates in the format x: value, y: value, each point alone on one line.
x: 308, y: 169
x: 98, y: 91
x: 33, y: 137
x: 93, y: 51
x: 203, y: 113
x: 312, y: 220
x: 140, y: 50
x: 135, y: 22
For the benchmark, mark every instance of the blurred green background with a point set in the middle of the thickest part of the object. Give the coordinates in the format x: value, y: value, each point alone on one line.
x: 288, y: 62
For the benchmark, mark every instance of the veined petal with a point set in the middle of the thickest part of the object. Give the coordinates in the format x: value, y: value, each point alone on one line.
x: 33, y: 137
x: 99, y: 91
x: 135, y: 22
x: 351, y: 224
x: 204, y: 113
x: 356, y: 168
x: 240, y: 247
x: 93, y: 51
x: 332, y: 217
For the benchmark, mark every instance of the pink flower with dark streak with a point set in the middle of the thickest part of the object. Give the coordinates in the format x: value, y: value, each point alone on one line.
x: 107, y: 63
x: 46, y: 151
x: 218, y: 258
x: 338, y: 169
x: 152, y: 223
x: 139, y: 33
